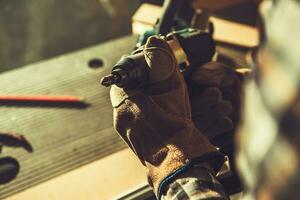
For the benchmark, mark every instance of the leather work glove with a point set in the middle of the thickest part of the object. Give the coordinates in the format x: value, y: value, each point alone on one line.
x: 215, y: 92
x: 156, y: 123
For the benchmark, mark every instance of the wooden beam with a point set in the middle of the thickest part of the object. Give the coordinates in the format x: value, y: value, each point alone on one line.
x: 225, y: 31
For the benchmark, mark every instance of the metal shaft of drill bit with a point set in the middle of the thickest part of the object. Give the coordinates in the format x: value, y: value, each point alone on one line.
x: 110, y: 80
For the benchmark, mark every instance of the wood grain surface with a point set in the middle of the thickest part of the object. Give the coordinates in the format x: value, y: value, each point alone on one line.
x: 63, y: 138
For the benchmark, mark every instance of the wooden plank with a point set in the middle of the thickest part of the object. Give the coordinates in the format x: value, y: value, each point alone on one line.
x: 225, y: 31
x: 216, y: 4
x: 116, y: 174
x: 235, y: 33
x: 63, y: 138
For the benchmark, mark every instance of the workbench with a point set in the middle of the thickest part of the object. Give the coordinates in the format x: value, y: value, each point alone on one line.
x: 71, y: 144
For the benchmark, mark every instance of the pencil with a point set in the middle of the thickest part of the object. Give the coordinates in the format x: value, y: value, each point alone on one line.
x: 41, y: 98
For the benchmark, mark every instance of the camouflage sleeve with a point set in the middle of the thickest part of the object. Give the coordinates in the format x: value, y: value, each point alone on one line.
x: 199, y: 183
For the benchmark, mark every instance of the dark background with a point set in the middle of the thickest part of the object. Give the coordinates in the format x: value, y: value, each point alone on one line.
x: 34, y: 30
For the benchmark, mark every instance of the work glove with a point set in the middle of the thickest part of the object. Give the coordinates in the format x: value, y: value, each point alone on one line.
x: 156, y: 122
x: 215, y: 92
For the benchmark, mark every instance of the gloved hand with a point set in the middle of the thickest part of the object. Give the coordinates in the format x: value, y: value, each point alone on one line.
x: 156, y: 123
x: 215, y: 92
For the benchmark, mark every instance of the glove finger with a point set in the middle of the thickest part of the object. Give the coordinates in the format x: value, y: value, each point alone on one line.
x: 205, y: 77
x: 204, y: 120
x: 220, y: 108
x: 207, y: 116
x: 223, y: 108
x: 209, y: 74
x: 214, y: 74
x: 232, y: 95
x: 212, y: 93
x: 156, y: 41
x: 231, y: 78
x: 220, y: 126
x: 160, y: 60
x: 209, y: 97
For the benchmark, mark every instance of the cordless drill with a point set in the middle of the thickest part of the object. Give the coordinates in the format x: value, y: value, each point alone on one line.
x: 191, y: 48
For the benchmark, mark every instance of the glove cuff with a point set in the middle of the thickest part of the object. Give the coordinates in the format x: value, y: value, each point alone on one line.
x: 215, y: 159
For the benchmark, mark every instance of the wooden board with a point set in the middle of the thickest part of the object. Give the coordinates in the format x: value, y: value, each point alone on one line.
x: 106, y: 178
x: 63, y: 138
x: 225, y: 31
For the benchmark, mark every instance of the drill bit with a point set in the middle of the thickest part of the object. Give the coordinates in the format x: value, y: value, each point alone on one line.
x: 110, y: 80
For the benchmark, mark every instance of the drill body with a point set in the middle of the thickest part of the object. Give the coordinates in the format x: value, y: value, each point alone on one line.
x: 190, y: 47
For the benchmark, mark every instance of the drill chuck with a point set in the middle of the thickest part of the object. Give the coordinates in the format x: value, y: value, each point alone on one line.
x: 191, y: 48
x: 129, y: 72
